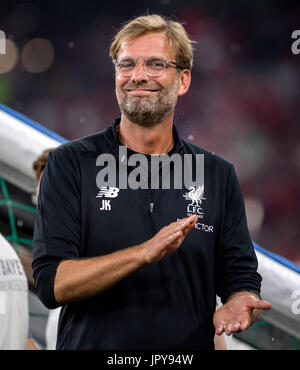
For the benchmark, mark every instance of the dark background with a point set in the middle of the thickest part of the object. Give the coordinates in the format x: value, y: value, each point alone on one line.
x: 243, y: 103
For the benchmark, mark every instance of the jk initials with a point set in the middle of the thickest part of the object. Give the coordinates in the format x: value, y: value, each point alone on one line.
x: 2, y: 43
x: 105, y: 205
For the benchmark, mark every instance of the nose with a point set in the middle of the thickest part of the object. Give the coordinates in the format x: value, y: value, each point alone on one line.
x: 139, y: 74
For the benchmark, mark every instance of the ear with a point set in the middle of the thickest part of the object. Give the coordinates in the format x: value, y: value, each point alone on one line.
x: 184, y: 82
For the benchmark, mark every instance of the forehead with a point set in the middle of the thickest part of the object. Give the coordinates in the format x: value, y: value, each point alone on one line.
x: 151, y: 44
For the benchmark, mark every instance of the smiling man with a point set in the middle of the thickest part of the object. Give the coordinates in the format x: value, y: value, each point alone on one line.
x: 139, y: 272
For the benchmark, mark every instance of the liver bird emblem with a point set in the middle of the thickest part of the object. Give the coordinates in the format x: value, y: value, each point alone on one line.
x: 195, y: 195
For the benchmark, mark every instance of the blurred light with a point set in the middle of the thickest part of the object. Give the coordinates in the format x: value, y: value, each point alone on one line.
x: 37, y: 55
x: 20, y: 223
x: 191, y: 137
x: 71, y: 45
x: 254, y: 213
x: 9, y: 60
x: 25, y: 18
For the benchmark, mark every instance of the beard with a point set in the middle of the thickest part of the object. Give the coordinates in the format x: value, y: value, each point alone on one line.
x: 148, y: 111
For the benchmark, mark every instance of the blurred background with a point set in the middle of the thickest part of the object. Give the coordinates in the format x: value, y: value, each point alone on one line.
x: 243, y: 103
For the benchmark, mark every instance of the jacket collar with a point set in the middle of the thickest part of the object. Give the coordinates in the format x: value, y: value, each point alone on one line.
x: 114, y: 148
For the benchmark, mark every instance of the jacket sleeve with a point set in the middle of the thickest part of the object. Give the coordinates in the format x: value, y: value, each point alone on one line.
x: 237, y: 258
x: 57, y: 224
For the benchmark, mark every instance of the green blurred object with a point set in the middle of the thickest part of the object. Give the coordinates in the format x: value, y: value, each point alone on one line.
x: 5, y: 93
x: 10, y: 204
x: 265, y: 336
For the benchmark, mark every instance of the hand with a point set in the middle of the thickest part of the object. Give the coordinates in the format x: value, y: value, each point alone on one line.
x: 168, y: 239
x: 238, y: 313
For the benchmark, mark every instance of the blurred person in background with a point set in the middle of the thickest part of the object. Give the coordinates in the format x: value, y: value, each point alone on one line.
x: 14, y: 313
x: 39, y: 166
x: 52, y: 322
x: 140, y: 274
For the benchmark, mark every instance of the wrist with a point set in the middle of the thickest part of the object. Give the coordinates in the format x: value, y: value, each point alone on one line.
x: 243, y: 293
x: 141, y: 254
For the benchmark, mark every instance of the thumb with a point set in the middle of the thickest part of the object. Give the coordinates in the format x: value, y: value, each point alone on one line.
x: 261, y: 305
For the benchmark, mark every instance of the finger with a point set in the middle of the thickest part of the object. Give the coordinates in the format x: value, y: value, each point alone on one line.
x: 181, y: 224
x: 219, y: 326
x: 244, y: 324
x: 181, y: 228
x: 174, y: 236
x: 187, y: 225
x: 233, y: 328
x: 228, y: 329
x: 172, y: 228
x: 236, y: 327
x: 220, y: 329
x: 261, y: 305
x: 187, y: 220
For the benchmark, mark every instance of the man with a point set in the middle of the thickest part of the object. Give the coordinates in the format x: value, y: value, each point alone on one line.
x: 127, y: 273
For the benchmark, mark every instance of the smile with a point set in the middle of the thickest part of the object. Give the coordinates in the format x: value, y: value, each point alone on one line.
x: 141, y: 91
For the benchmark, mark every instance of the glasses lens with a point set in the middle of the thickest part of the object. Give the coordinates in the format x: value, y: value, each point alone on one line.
x: 125, y: 67
x: 155, y: 67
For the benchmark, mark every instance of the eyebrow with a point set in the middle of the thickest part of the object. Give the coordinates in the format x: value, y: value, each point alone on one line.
x: 151, y: 57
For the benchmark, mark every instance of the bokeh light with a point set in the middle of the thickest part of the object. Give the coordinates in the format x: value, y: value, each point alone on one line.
x: 37, y: 55
x: 9, y: 60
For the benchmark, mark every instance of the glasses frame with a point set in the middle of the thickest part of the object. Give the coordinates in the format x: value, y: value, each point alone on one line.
x: 136, y: 61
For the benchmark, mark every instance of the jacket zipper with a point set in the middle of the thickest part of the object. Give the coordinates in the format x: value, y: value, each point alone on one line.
x: 151, y: 204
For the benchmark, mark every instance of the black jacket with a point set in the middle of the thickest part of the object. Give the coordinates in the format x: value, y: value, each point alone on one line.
x: 166, y: 305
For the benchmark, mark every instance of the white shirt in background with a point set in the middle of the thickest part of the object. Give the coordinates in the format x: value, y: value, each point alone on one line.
x: 14, y: 316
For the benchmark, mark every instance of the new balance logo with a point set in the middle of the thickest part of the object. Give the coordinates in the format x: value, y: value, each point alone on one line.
x: 108, y: 192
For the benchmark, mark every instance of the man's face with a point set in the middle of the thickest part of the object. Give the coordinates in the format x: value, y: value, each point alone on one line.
x: 147, y: 100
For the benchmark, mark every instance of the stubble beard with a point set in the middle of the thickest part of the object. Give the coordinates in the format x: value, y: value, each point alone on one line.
x: 149, y: 111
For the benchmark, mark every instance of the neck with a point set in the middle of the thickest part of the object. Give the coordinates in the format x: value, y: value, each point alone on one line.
x: 156, y: 139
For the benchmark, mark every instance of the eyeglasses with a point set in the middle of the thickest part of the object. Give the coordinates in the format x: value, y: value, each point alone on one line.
x: 154, y: 67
